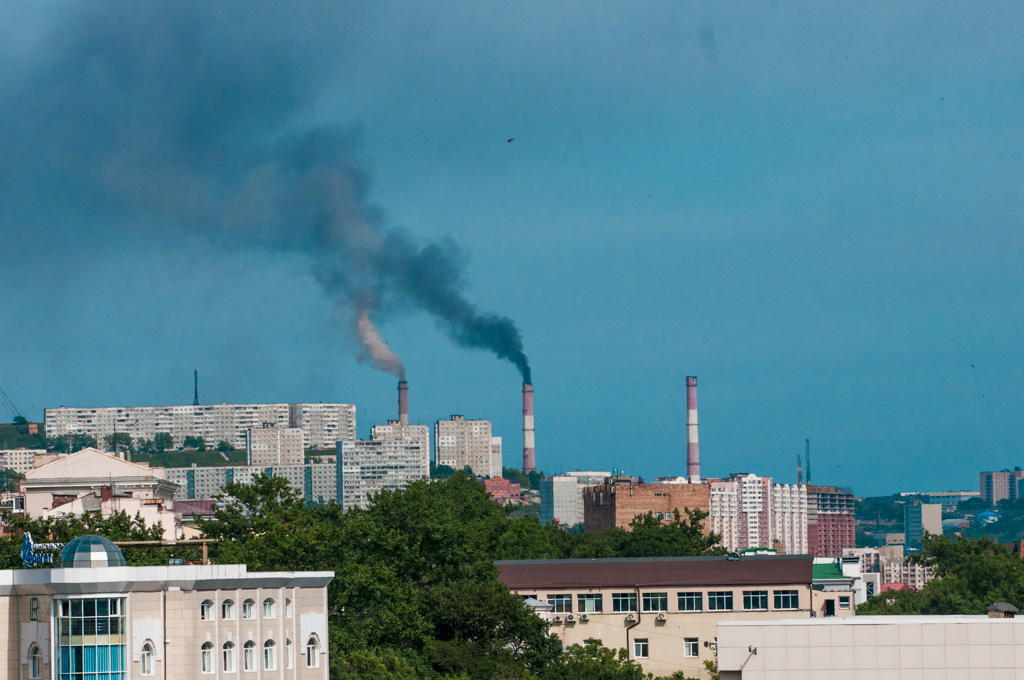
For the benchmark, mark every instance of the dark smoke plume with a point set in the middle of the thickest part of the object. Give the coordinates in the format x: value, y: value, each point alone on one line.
x: 134, y: 116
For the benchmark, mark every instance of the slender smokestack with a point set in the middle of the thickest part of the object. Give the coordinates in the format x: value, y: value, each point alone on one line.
x: 692, y: 453
x: 403, y: 402
x: 529, y: 463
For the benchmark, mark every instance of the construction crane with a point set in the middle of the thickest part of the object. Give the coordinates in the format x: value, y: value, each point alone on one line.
x: 9, y: 406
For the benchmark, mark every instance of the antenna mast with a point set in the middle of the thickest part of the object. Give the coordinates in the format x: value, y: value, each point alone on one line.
x: 195, y: 399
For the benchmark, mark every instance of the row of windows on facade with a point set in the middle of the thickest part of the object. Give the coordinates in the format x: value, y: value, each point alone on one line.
x: 642, y: 648
x: 227, y: 609
x: 228, y: 664
x: 753, y: 600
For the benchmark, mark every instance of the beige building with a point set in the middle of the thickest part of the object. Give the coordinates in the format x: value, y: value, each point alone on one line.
x: 91, y: 481
x: 459, y: 443
x: 92, y: 618
x: 322, y: 425
x: 268, y: 446
x: 664, y: 611
x: 881, y: 647
x: 20, y: 460
x: 395, y: 455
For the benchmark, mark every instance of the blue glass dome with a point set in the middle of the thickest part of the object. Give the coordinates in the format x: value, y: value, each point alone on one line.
x: 90, y: 551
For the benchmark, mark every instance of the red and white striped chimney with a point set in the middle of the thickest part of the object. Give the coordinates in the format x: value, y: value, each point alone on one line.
x: 692, y: 452
x: 529, y: 462
x: 403, y: 402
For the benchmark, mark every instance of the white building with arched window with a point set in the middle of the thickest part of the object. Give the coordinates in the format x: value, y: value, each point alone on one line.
x: 92, y: 616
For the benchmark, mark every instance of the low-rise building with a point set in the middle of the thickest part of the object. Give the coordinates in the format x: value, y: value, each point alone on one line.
x: 93, y: 618
x: 663, y: 611
x: 618, y: 501
x: 504, y: 491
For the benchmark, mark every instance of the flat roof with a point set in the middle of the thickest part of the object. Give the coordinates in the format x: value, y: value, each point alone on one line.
x: 875, y: 620
x: 656, y: 571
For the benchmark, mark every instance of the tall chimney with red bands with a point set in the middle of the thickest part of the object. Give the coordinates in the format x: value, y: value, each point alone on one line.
x: 529, y: 463
x: 692, y: 453
x: 403, y: 402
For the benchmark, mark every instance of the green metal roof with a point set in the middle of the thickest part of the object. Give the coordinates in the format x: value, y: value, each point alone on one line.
x: 821, y: 572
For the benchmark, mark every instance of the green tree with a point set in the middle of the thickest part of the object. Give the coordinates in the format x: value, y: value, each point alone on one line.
x: 119, y: 441
x: 441, y: 471
x: 143, y: 445
x: 20, y: 420
x: 163, y: 441
x: 69, y: 443
x: 9, y: 479
x: 195, y: 443
x: 972, y: 506
x: 224, y: 446
x: 594, y: 662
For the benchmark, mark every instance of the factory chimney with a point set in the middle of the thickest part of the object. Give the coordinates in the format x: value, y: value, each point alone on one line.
x: 529, y: 462
x: 692, y: 452
x: 403, y: 402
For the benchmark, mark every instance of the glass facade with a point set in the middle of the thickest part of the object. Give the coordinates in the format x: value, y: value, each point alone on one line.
x: 90, y: 638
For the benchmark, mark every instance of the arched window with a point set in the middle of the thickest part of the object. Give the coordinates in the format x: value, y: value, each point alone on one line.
x: 35, y: 662
x: 146, y: 659
x: 206, y: 611
x: 206, y: 659
x: 248, y: 609
x: 289, y: 654
x: 269, y: 656
x: 227, y: 610
x: 268, y: 608
x: 313, y: 652
x: 288, y: 609
x: 228, y: 653
x: 249, y: 656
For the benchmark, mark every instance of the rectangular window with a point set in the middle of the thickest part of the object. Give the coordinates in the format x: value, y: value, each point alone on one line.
x: 655, y: 602
x: 787, y: 599
x: 623, y: 602
x: 562, y: 603
x: 590, y: 603
x: 640, y: 649
x: 844, y: 601
x: 691, y: 602
x: 691, y: 647
x: 720, y: 600
x: 755, y: 600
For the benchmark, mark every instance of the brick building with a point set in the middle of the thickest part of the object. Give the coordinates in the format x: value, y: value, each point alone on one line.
x: 830, y: 521
x: 504, y: 491
x: 619, y: 500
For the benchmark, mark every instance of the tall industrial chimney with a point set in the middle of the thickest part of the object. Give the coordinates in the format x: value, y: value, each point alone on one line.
x: 403, y: 402
x: 529, y: 462
x: 692, y: 452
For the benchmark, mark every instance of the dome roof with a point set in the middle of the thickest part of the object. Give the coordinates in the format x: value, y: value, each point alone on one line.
x: 90, y: 551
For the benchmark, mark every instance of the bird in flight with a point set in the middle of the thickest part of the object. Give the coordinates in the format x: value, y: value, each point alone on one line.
x: 511, y: 140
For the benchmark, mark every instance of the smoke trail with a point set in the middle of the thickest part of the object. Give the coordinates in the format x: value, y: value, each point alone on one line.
x: 189, y: 116
x: 377, y: 351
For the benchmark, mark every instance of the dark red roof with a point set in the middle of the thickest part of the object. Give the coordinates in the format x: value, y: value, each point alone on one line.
x: 656, y: 571
x: 196, y: 506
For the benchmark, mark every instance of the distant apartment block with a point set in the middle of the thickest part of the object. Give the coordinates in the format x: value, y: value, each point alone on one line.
x: 504, y: 491
x: 619, y: 500
x: 322, y: 425
x: 497, y: 466
x: 1001, y: 485
x: 751, y: 512
x: 394, y: 456
x: 278, y: 446
x: 830, y: 521
x: 890, y: 562
x: 920, y: 518
x: 314, y: 482
x: 20, y: 460
x: 459, y: 443
x: 561, y: 496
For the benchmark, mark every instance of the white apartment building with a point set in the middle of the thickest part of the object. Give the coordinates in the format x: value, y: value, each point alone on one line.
x: 314, y: 482
x: 561, y: 496
x: 395, y: 455
x: 497, y: 462
x: 322, y: 424
x: 751, y: 512
x: 459, y: 443
x: 20, y: 460
x: 274, y: 446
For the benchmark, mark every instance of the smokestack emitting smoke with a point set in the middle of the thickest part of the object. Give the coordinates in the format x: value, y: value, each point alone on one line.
x: 692, y: 452
x: 403, y: 402
x: 226, y: 151
x: 529, y: 460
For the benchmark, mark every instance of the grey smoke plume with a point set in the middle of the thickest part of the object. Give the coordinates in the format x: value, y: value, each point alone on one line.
x: 130, y: 117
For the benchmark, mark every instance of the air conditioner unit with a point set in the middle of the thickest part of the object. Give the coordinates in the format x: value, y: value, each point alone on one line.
x: 584, y: 617
x: 631, y: 617
x: 661, y: 617
x: 556, y: 619
x: 570, y: 617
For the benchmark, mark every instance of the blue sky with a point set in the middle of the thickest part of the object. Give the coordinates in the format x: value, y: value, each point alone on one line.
x: 817, y: 211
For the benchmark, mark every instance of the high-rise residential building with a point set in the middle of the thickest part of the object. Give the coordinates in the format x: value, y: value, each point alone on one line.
x: 394, y: 456
x: 313, y: 482
x: 561, y: 496
x: 459, y: 443
x: 751, y: 512
x: 620, y: 499
x: 323, y: 425
x: 1001, y: 485
x: 830, y: 521
x: 920, y: 518
x: 267, y: 446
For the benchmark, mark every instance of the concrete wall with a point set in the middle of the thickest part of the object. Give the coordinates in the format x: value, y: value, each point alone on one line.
x: 616, y: 504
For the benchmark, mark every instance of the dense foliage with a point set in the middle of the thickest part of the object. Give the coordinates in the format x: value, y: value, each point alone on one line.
x: 972, y: 574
